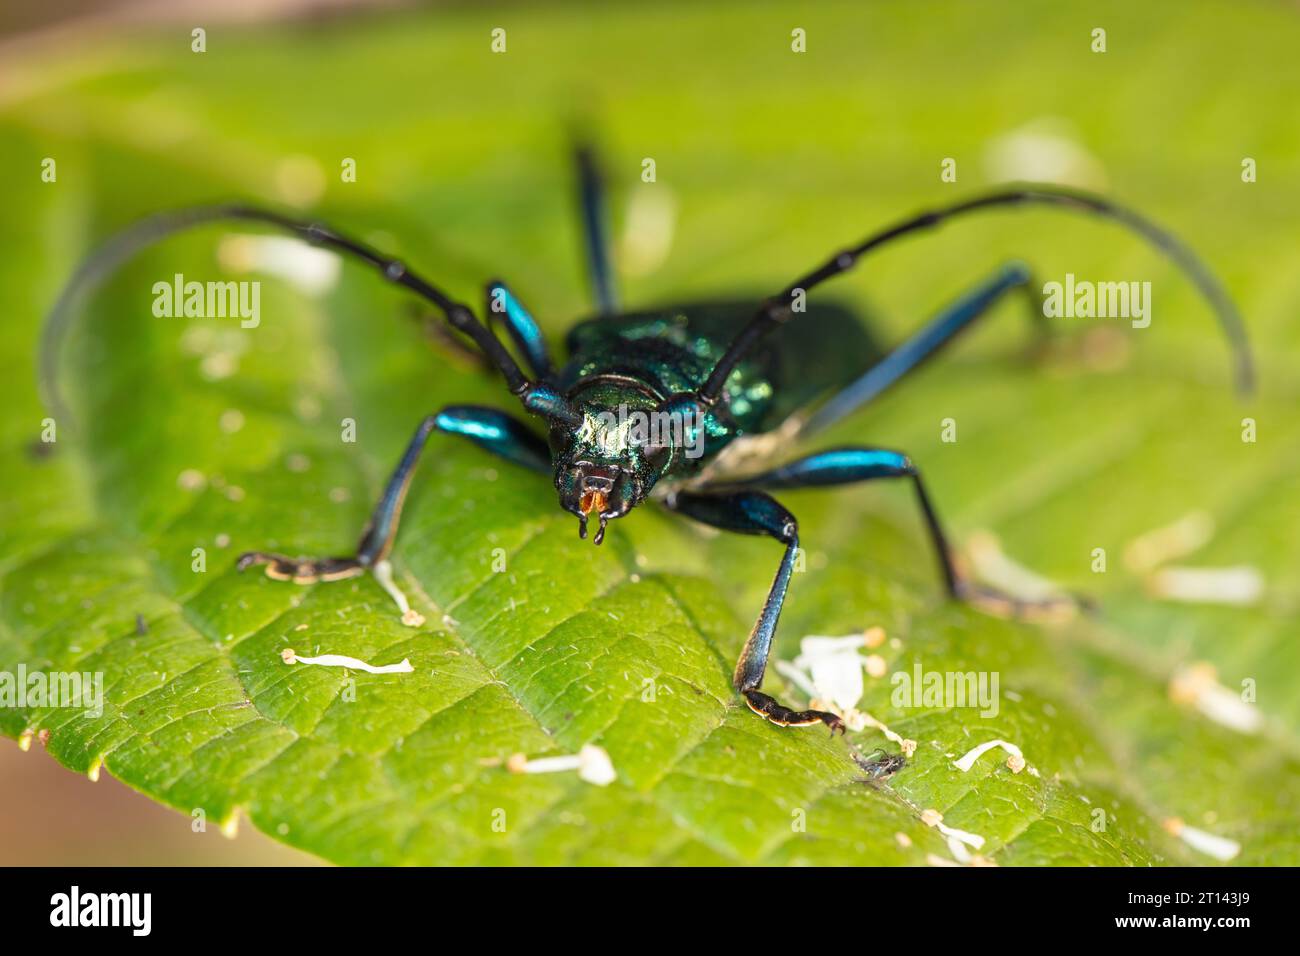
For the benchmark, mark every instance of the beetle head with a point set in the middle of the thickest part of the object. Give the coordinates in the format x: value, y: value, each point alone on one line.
x: 606, y: 465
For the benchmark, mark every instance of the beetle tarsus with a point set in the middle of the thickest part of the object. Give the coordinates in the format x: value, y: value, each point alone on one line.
x: 782, y: 716
x: 1051, y: 609
x: 301, y: 570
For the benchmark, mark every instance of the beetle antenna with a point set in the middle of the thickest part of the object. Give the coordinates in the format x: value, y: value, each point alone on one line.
x: 123, y: 246
x: 778, y: 310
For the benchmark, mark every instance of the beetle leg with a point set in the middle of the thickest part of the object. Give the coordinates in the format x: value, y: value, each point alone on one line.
x: 753, y: 512
x: 490, y: 429
x: 521, y: 326
x: 841, y: 466
x: 942, y: 329
x: 595, y: 230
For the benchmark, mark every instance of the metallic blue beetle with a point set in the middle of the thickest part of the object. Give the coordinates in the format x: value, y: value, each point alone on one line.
x: 684, y: 405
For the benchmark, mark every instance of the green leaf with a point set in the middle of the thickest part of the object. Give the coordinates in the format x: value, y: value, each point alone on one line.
x: 1058, y: 456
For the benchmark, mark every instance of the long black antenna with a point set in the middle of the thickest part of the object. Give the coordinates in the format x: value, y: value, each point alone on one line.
x: 776, y: 311
x: 127, y: 243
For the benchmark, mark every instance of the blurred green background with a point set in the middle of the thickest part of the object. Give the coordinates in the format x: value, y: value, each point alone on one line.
x: 766, y: 161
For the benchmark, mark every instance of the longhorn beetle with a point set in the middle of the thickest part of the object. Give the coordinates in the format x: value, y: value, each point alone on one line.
x: 730, y: 391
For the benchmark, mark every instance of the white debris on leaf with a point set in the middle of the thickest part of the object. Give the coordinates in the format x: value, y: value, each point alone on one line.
x: 1016, y: 763
x: 191, y: 479
x: 289, y: 656
x: 591, y: 762
x: 313, y: 271
x: 1220, y: 848
x: 960, y: 836
x: 958, y: 840
x: 383, y: 571
x: 866, y: 720
x: 1189, y: 533
x: 959, y: 851
x: 650, y: 222
x: 829, y: 671
x: 1197, y: 685
x: 1241, y: 585
x: 1047, y: 149
x: 796, y: 677
x: 995, y: 567
x: 835, y: 667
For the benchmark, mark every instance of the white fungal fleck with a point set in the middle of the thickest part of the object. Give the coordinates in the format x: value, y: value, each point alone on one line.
x: 231, y: 420
x: 961, y: 836
x: 216, y: 366
x: 289, y: 656
x: 1240, y: 585
x: 835, y: 666
x: 383, y: 571
x: 967, y: 761
x: 1212, y: 845
x: 1045, y: 149
x: 191, y: 479
x: 1197, y: 685
x: 957, y: 840
x: 958, y: 850
x: 313, y: 271
x: 1189, y: 533
x: 591, y: 762
x: 829, y: 671
x: 995, y: 567
x: 864, y: 719
x: 797, y: 677
x: 650, y: 221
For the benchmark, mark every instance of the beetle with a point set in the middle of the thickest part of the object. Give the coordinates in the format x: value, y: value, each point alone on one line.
x: 730, y: 386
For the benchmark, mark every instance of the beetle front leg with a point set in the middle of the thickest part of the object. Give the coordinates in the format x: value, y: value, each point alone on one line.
x: 753, y: 512
x: 486, y: 427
